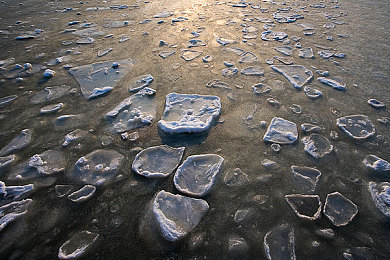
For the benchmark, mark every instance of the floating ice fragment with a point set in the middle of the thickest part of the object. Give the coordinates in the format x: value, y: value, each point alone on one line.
x: 272, y: 35
x: 380, y: 193
x: 225, y: 42
x: 229, y: 72
x: 312, y: 93
x: 339, y: 210
x: 306, y: 177
x: 51, y: 109
x: 334, y: 83
x: 375, y: 163
x: 133, y: 112
x: 166, y: 54
x: 17, y: 144
x: 260, y: 89
x: 99, y: 75
x: 243, y: 215
x: 286, y: 17
x: 358, y: 127
x: 286, y: 50
x: 177, y: 215
x: 73, y: 136
x: 195, y: 43
x: 296, y: 109
x: 13, y: 211
x: 5, y: 101
x: 279, y: 243
x: 98, y: 168
x: 189, y: 55
x: 6, y: 162
x: 317, y: 145
x: 158, y: 161
x: 83, y: 194
x: 372, y: 102
x: 305, y: 206
x: 86, y: 40
x: 49, y: 94
x: 97, y: 92
x: 281, y: 131
x: 78, y: 245
x: 253, y: 71
x: 237, y: 248
x: 163, y: 14
x: 235, y: 178
x: 306, y: 53
x: 12, y: 193
x: 297, y: 75
x: 63, y: 190
x: 186, y: 113
x: 104, y: 52
x: 197, y: 174
x: 248, y: 57
x: 310, y: 128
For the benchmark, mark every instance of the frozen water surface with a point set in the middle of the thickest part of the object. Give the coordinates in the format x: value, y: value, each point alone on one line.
x: 158, y: 161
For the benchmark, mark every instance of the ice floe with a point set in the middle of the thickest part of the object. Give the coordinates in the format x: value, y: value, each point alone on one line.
x: 339, y: 210
x: 281, y: 131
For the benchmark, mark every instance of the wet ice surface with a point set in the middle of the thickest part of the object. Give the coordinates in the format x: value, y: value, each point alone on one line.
x: 339, y: 210
x: 77, y: 245
x: 81, y: 77
x: 279, y: 243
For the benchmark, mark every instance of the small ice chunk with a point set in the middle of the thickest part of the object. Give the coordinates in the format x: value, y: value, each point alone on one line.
x: 243, y: 216
x: 78, y: 245
x: 177, y: 215
x: 380, y: 193
x: 229, y: 72
x: 5, y: 101
x: 281, y: 131
x: 237, y: 248
x: 49, y: 94
x: 186, y: 113
x: 305, y: 206
x: 375, y: 163
x: 306, y: 177
x: 17, y: 144
x: 286, y: 50
x: 279, y: 243
x: 13, y: 211
x: 12, y: 193
x: 297, y: 75
x: 310, y: 128
x: 306, y: 53
x: 260, y: 89
x: 334, y: 83
x: 235, y: 178
x: 372, y: 102
x: 157, y: 161
x: 83, y: 194
x: 248, y: 57
x: 358, y: 127
x: 339, y: 210
x: 140, y: 82
x: 49, y: 73
x: 317, y: 145
x: 197, y: 175
x: 312, y: 93
x: 97, y: 92
x: 189, y: 55
x: 50, y: 109
x: 166, y: 54
x: 273, y: 36
x: 6, y: 162
x: 253, y: 71
x: 224, y: 41
x: 73, y: 136
x: 63, y: 190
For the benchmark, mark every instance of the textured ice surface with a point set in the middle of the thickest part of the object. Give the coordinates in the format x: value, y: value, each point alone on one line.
x: 229, y: 72
x: 305, y: 206
x: 375, y: 163
x: 133, y: 112
x: 260, y: 89
x: 51, y: 109
x: 253, y: 71
x: 140, y: 82
x: 235, y: 178
x: 177, y: 215
x: 78, y: 245
x: 380, y: 193
x: 224, y: 41
x: 17, y: 144
x: 307, y: 178
x: 286, y: 50
x: 39, y: 165
x: 166, y: 54
x: 310, y: 128
x: 100, y: 75
x: 286, y: 17
x: 358, y: 127
x: 372, y: 102
x: 158, y: 161
x: 279, y: 243
x: 306, y: 53
x: 83, y: 194
x: 197, y: 175
x: 334, y: 83
x: 297, y: 75
x: 73, y: 136
x: 98, y: 92
x: 248, y: 57
x: 339, y: 210
x: 186, y: 113
x: 189, y: 55
x: 11, y: 193
x: 271, y: 35
x: 13, y: 211
x: 317, y: 145
x: 6, y: 162
x: 98, y: 168
x: 281, y: 131
x: 312, y: 93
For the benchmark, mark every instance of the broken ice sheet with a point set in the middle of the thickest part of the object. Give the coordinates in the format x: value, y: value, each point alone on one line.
x: 157, y: 161
x: 335, y: 83
x: 375, y: 163
x: 272, y: 35
x: 380, y: 194
x: 281, y: 131
x: 177, y: 215
x: 305, y: 206
x: 13, y: 211
x: 49, y: 94
x: 39, y: 165
x: 6, y: 162
x: 339, y: 210
x: 51, y: 109
x: 286, y: 17
x: 297, y: 75
x: 78, y: 245
x: 189, y: 55
x: 133, y: 112
x: 286, y: 50
x: 317, y: 145
x: 73, y: 136
x: 357, y: 127
x: 253, y: 71
x: 306, y: 53
x: 97, y: 168
x: 83, y: 194
x: 306, y: 178
x: 186, y: 113
x: 12, y: 193
x: 99, y: 75
x: 279, y: 243
x: 18, y: 143
x: 197, y: 174
x: 140, y: 82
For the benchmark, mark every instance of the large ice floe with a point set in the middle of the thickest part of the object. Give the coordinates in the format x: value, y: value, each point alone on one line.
x: 186, y: 113
x: 380, y: 193
x: 133, y: 112
x: 197, y: 175
x: 281, y: 131
x: 158, y: 161
x: 297, y: 75
x: 339, y: 210
x: 279, y: 243
x: 98, y: 167
x: 174, y: 216
x: 358, y: 127
x: 317, y: 145
x: 96, y: 76
x: 78, y: 245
